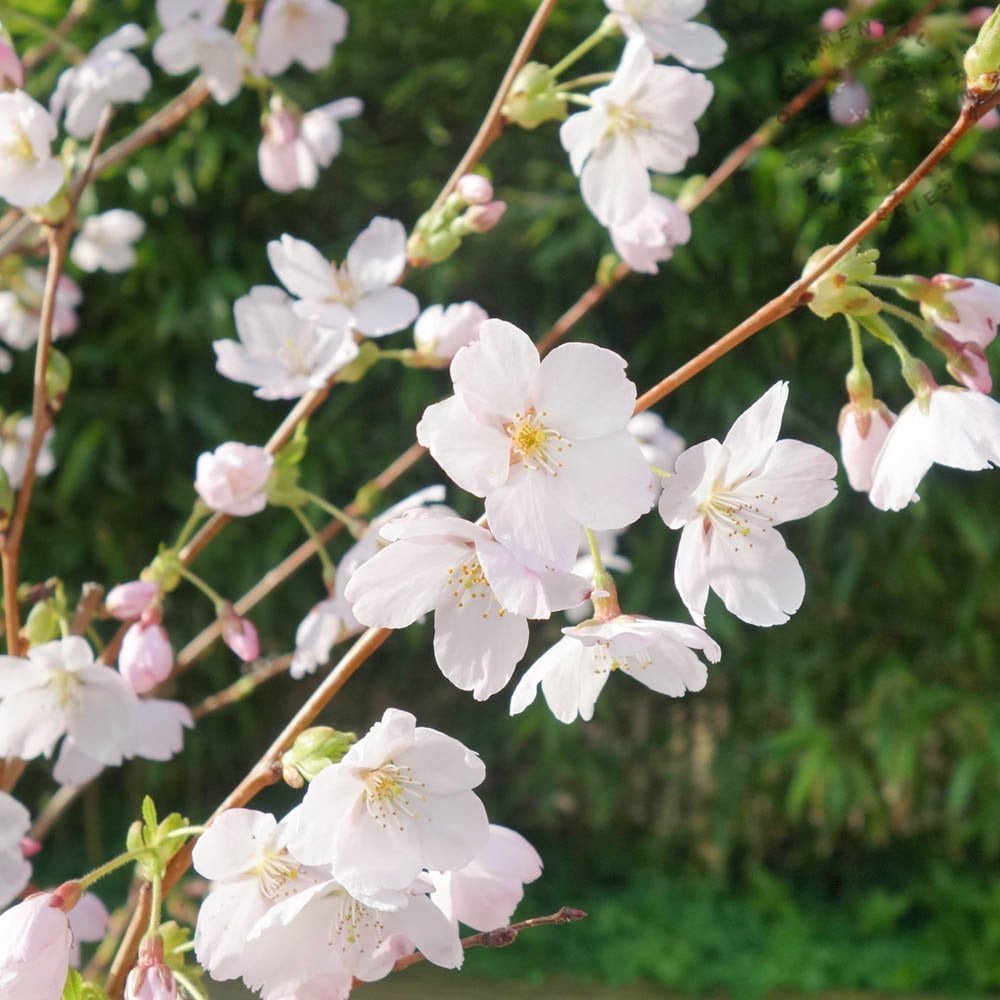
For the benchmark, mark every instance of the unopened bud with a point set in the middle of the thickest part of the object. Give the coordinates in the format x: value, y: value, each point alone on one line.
x: 42, y: 624
x: 838, y: 290
x: 532, y: 98
x: 482, y: 218
x: 128, y: 601
x: 833, y: 19
x: 58, y: 373
x: 982, y: 61
x: 474, y: 189
x: 312, y: 752
x: 66, y: 896
x: 6, y: 501
x: 239, y: 634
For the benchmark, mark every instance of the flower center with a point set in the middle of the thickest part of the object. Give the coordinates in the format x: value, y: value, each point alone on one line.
x: 605, y: 661
x: 390, y: 793
x: 734, y: 515
x: 296, y: 356
x: 275, y: 872
x: 535, y: 445
x: 67, y: 685
x: 354, y: 923
x: 467, y: 582
x: 345, y: 291
x: 17, y: 145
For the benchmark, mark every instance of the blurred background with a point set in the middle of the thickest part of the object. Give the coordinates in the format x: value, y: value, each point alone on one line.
x: 826, y: 814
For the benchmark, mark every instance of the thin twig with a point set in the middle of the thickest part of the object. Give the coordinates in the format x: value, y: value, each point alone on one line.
x: 70, y: 20
x: 243, y: 687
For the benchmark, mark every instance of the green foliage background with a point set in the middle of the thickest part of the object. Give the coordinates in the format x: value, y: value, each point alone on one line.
x: 826, y: 813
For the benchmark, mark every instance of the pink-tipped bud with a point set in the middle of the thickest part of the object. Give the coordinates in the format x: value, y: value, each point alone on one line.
x: 28, y: 847
x: 239, y: 634
x: 146, y: 657
x: 66, y: 896
x: 833, y: 19
x: 128, y: 601
x: 863, y: 430
x: 968, y: 365
x: 876, y: 29
x: 151, y: 979
x: 475, y: 189
x: 11, y: 70
x: 482, y: 218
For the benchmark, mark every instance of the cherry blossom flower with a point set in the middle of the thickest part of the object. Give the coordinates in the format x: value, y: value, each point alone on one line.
x: 649, y: 238
x: 59, y: 690
x: 15, y: 869
x: 475, y: 189
x: 972, y: 309
x: 863, y: 430
x: 574, y: 671
x: 849, y: 103
x: 280, y: 353
x: 481, y: 596
x: 361, y: 294
x: 233, y: 478
x: 328, y: 927
x: 14, y: 441
x: 642, y: 120
x: 29, y: 174
x: 332, y: 620
x: 666, y: 27
x: 660, y: 445
x: 440, y: 331
x: 194, y: 38
x: 151, y: 978
x: 956, y: 427
x: 106, y: 241
x: 293, y: 149
x: 484, y: 894
x: 399, y: 801
x: 128, y: 601
x: 109, y: 75
x: 244, y: 853
x: 299, y: 30
x: 729, y: 498
x: 833, y: 19
x: 239, y: 634
x: 146, y: 657
x: 88, y: 920
x: 20, y: 310
x: 544, y: 441
x: 35, y: 941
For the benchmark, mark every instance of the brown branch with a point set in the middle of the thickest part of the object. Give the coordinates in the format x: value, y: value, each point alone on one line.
x: 502, y: 936
x: 243, y: 687
x: 492, y: 126
x: 70, y: 20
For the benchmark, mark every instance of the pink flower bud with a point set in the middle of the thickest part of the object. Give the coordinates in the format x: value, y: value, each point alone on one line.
x: 233, y: 478
x: 832, y: 19
x: 239, y: 634
x: 482, y: 218
x: 28, y: 847
x: 974, y: 311
x: 849, y: 103
x: 146, y: 657
x: 35, y: 941
x: 862, y: 433
x: 989, y: 121
x: 876, y: 29
x: 968, y: 365
x: 151, y: 979
x: 475, y: 189
x: 128, y: 601
x: 11, y: 70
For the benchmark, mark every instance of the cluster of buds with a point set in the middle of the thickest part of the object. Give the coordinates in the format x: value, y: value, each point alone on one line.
x: 470, y: 208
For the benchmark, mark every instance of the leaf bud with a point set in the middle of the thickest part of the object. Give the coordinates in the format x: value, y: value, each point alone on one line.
x: 312, y: 752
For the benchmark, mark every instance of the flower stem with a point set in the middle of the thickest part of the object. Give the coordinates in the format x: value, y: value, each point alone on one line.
x: 921, y: 326
x: 119, y: 861
x: 198, y: 513
x: 584, y: 102
x: 607, y: 28
x: 586, y: 81
x: 329, y: 570
x: 213, y: 595
x: 353, y: 525
x: 155, y: 904
x: 857, y: 351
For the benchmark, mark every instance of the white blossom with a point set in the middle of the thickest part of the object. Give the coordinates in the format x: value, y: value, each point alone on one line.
x: 29, y: 174
x: 14, y: 440
x: 299, y: 30
x: 106, y: 241
x: 15, y: 869
x: 666, y: 27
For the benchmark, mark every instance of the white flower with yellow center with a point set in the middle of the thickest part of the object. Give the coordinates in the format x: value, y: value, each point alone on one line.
x: 401, y: 800
x: 359, y: 295
x: 29, y: 174
x: 642, y: 120
x: 480, y: 593
x: 244, y: 854
x: 544, y: 441
x: 729, y: 498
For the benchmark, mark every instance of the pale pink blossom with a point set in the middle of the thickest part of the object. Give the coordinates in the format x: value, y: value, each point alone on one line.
x: 35, y: 941
x: 109, y: 75
x: 282, y: 354
x: 151, y: 978
x: 14, y: 442
x: 360, y: 294
x: 328, y: 929
x: 955, y: 427
x: 15, y: 870
x: 294, y: 148
x: 989, y: 121
x: 480, y: 593
x: 299, y: 30
x: 642, y: 120
x: 245, y: 854
x: 849, y: 103
x: 21, y: 307
x: 729, y: 498
x: 88, y: 920
x: 239, y: 634
x: 483, y: 218
x: 543, y: 440
x: 29, y: 174
x: 233, y: 478
x: 193, y: 38
x: 440, y: 331
x: 649, y: 238
x: 106, y: 241
x: 574, y: 671
x: 863, y: 430
x: 833, y: 19
x: 11, y: 70
x: 484, y: 894
x: 475, y: 189
x: 59, y: 690
x: 128, y: 601
x: 972, y: 311
x: 660, y: 445
x: 666, y: 27
x: 146, y: 658
x: 399, y: 801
